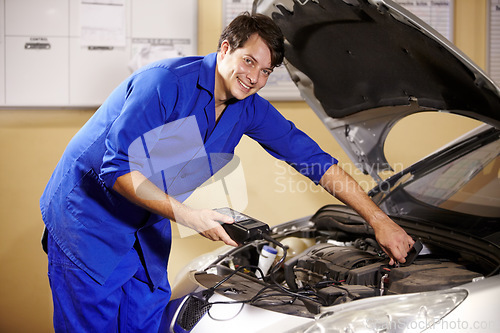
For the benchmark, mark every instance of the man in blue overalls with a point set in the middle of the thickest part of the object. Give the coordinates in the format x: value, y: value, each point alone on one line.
x: 160, y: 134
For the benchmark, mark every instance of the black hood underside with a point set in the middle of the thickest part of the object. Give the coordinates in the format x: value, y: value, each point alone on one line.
x: 361, y: 56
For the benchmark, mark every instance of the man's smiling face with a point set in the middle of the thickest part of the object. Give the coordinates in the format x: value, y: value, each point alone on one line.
x: 243, y: 71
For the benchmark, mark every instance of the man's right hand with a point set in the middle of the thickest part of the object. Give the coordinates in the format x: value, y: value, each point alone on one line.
x: 207, y: 223
x: 138, y: 189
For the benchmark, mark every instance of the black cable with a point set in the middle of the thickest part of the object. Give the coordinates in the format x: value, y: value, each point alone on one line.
x: 210, y: 291
x: 234, y: 316
x: 233, y: 273
x: 275, y: 269
x: 259, y: 295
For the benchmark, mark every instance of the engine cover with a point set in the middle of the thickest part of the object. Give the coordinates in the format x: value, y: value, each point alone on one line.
x: 338, y: 264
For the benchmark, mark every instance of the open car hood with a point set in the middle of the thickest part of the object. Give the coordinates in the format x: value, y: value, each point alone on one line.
x: 362, y: 65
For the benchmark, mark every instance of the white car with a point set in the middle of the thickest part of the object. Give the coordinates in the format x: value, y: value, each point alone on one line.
x: 363, y: 65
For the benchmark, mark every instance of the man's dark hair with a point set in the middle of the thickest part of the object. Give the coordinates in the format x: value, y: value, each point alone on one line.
x: 245, y: 25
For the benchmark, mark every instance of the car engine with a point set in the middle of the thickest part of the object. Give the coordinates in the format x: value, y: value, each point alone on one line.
x: 342, y: 273
x: 329, y: 259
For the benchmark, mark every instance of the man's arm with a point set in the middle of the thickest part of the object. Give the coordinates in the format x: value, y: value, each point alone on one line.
x: 138, y: 189
x: 390, y: 236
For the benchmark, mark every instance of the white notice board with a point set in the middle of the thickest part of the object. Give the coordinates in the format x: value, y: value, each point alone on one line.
x: 436, y: 13
x: 494, y: 40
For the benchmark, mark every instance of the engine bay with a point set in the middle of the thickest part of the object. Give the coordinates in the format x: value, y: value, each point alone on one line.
x: 329, y: 259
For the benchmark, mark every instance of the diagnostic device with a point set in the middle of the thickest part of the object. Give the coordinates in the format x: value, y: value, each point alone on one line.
x: 244, y: 228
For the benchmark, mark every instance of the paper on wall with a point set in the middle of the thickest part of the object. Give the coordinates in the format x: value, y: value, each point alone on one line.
x: 102, y: 23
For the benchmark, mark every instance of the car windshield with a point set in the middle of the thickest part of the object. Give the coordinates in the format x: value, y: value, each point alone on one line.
x: 469, y: 184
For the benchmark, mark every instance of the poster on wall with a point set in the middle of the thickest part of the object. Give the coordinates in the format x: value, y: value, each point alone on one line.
x: 102, y: 23
x: 494, y: 40
x: 436, y: 13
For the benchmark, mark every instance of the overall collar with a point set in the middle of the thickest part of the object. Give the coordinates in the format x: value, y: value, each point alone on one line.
x: 207, y: 73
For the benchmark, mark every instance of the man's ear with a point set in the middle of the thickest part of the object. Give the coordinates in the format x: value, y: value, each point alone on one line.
x: 224, y: 48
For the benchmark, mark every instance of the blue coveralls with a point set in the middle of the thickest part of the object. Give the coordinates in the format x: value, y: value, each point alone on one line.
x: 166, y: 106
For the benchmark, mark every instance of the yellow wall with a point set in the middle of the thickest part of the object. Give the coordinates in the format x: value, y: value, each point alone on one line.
x: 31, y: 142
x: 470, y: 29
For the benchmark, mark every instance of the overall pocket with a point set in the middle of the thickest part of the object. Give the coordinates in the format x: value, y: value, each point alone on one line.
x: 91, y: 202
